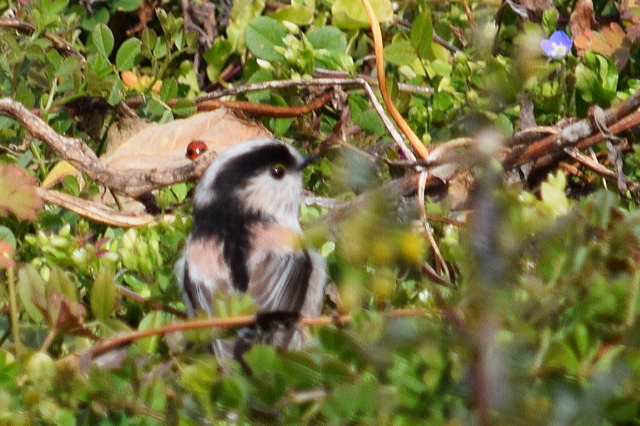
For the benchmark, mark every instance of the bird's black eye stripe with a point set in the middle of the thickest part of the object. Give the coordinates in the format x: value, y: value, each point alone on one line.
x: 278, y: 171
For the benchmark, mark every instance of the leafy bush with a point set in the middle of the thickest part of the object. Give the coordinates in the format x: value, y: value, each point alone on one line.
x: 525, y: 314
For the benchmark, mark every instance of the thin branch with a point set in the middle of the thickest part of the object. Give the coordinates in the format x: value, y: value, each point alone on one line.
x: 428, y: 231
x: 95, y: 211
x: 600, y: 169
x: 267, y: 110
x: 237, y: 321
x: 282, y: 84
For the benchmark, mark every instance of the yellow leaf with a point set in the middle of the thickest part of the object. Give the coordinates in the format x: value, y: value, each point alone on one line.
x: 57, y: 173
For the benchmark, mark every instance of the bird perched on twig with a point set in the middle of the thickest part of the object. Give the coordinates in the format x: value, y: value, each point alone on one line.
x: 246, y: 239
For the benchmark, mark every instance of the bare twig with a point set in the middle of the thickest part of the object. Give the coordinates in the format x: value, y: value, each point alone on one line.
x: 440, y: 262
x: 267, y: 110
x: 600, y: 169
x: 282, y: 84
x: 237, y: 321
x: 581, y: 134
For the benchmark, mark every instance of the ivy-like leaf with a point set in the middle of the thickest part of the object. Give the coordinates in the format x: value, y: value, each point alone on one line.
x: 18, y: 193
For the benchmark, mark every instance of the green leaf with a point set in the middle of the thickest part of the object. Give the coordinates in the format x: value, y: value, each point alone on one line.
x: 103, y: 294
x: 169, y: 89
x: 160, y: 50
x: 69, y: 66
x: 154, y: 319
x: 217, y: 57
x: 100, y: 16
x: 60, y: 282
x: 422, y: 35
x: 400, y: 53
x: 124, y: 5
x: 329, y: 37
x: 260, y: 96
x: 64, y: 417
x: 262, y: 34
x: 298, y: 14
x: 333, y: 60
x: 371, y: 122
x: 561, y: 357
x: 7, y: 235
x: 31, y: 289
x: 149, y: 39
x: 102, y: 39
x: 184, y: 108
x: 350, y: 14
x: 155, y: 107
x: 229, y: 394
x: 128, y: 54
x: 279, y: 126
x: 55, y: 7
x: 115, y: 93
x: 596, y: 79
x: 550, y: 20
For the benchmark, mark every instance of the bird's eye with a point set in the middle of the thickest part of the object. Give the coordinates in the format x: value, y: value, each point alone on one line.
x: 278, y: 170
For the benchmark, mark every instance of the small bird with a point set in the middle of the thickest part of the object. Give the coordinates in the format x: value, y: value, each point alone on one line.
x: 246, y: 239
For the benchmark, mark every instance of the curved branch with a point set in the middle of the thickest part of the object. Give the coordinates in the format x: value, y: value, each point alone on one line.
x: 131, y: 183
x: 416, y: 143
x: 237, y: 321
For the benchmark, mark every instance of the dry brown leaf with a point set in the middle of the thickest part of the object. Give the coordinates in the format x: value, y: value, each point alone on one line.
x: 630, y: 13
x: 610, y: 41
x: 66, y: 315
x: 164, y: 145
x: 18, y: 193
x: 582, y: 18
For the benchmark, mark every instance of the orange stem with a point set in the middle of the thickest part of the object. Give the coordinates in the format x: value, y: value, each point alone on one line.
x: 416, y: 143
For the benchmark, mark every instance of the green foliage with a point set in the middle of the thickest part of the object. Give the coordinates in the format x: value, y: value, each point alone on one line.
x: 547, y: 289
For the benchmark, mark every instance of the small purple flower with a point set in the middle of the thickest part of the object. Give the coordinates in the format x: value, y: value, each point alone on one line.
x: 557, y: 46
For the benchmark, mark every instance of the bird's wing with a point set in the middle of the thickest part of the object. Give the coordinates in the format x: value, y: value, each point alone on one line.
x: 203, y: 273
x: 279, y: 281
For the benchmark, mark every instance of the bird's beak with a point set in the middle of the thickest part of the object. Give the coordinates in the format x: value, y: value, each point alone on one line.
x: 306, y: 160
